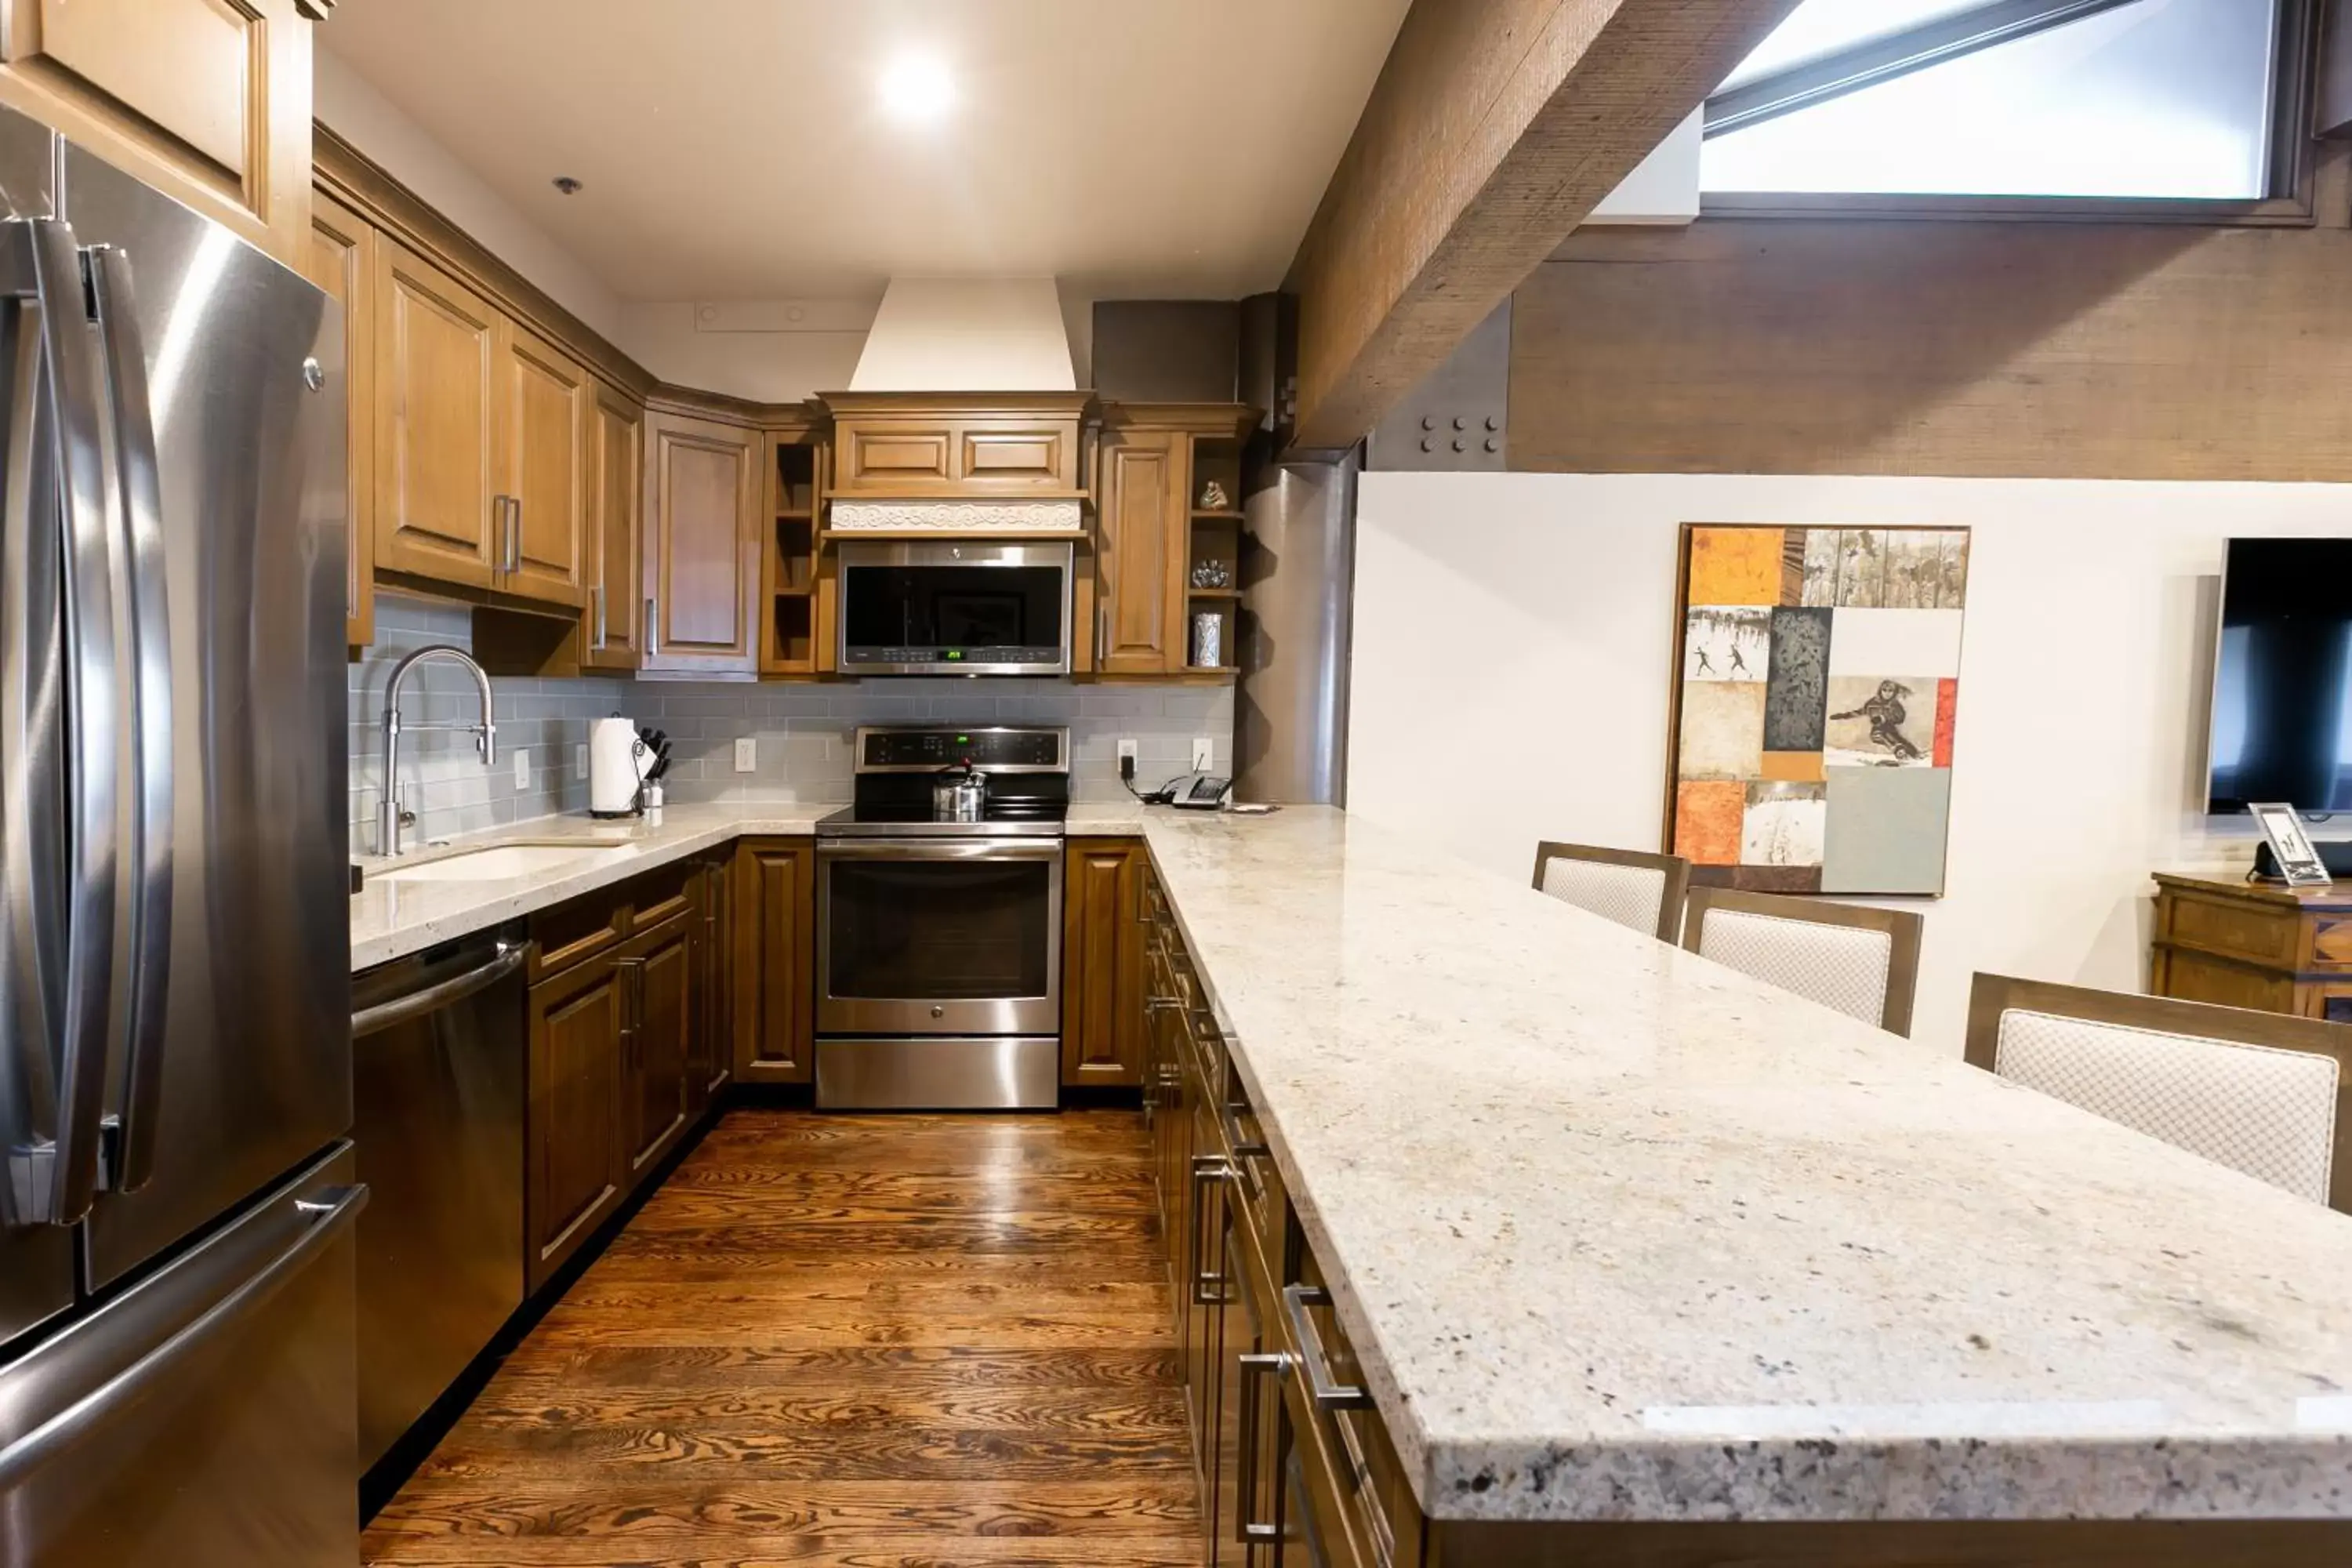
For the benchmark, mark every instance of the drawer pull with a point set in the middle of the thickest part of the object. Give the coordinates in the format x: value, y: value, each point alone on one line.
x: 1249, y: 1529
x: 1210, y: 1286
x: 1325, y: 1393
x: 1229, y: 1112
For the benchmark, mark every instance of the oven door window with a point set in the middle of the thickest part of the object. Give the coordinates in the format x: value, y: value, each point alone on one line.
x: 946, y: 931
x: 971, y: 607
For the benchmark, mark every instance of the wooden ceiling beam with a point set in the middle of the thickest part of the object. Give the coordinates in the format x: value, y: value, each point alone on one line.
x: 1496, y: 126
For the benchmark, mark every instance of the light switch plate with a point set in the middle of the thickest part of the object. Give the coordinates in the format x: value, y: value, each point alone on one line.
x: 522, y: 768
x: 1205, y: 753
x: 580, y: 760
x: 747, y: 755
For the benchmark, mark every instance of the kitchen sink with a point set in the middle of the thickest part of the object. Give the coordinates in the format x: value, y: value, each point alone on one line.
x: 500, y: 862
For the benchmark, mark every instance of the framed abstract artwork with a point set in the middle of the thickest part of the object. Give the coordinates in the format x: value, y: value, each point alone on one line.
x: 1816, y: 691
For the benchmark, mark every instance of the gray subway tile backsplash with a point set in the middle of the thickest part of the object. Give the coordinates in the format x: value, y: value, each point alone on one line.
x: 803, y: 731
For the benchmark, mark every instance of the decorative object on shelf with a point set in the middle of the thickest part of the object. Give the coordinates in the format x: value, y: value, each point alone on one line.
x: 2298, y: 862
x: 1209, y: 640
x: 1814, y: 705
x: 1210, y: 574
x: 958, y: 516
x: 1214, y: 497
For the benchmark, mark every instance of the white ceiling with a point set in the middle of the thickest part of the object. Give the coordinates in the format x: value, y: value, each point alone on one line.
x: 735, y: 149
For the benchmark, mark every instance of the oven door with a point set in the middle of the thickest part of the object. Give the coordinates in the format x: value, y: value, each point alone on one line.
x: 939, y: 937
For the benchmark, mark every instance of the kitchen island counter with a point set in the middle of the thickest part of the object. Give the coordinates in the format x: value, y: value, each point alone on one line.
x: 1620, y: 1234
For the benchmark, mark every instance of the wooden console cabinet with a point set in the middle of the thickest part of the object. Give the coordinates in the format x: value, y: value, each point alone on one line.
x: 2254, y: 944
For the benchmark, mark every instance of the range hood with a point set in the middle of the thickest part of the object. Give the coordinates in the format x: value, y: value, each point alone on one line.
x: 967, y: 334
x: 964, y: 416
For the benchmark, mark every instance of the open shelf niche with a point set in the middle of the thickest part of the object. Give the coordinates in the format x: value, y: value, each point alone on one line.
x: 1213, y: 557
x: 790, y: 571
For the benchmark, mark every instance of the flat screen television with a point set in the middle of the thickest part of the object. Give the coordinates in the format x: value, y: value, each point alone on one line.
x: 2282, y: 724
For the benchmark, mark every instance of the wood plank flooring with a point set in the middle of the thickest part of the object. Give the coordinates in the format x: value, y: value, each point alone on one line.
x: 872, y: 1342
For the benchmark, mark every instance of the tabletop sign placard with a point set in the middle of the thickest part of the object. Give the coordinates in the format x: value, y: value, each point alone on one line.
x: 2299, y: 863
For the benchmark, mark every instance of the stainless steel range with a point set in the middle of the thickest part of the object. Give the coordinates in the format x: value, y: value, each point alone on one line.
x: 940, y: 923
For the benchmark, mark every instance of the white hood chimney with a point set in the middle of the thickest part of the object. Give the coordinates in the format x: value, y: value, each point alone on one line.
x: 967, y: 334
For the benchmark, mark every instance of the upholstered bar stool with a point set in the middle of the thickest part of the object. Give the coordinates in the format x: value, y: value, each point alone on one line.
x: 1863, y: 963
x: 1643, y: 891
x: 2262, y: 1093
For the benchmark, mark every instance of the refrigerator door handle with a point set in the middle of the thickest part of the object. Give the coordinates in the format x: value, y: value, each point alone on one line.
x: 146, y: 865
x: 33, y: 750
x: 315, y: 1220
x: 54, y: 1171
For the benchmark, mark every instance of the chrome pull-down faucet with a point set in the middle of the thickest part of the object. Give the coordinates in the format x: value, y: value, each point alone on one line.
x: 389, y: 816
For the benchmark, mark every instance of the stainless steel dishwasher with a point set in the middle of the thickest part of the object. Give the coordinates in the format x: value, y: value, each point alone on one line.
x: 439, y: 1042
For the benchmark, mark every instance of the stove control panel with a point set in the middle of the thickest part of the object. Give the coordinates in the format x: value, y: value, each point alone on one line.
x: 929, y: 749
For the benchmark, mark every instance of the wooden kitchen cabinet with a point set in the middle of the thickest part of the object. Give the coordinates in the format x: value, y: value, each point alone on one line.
x: 911, y: 446
x: 618, y: 1000
x: 545, y: 405
x: 1138, y: 598
x: 1103, y: 944
x: 1154, y: 470
x: 574, y: 1139
x: 208, y: 100
x: 660, y: 966
x: 438, y: 352
x: 703, y: 488
x: 710, y: 1063
x: 342, y: 261
x: 774, y: 997
x: 612, y: 612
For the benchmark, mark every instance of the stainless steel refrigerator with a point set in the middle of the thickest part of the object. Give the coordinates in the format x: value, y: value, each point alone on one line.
x: 176, y: 1255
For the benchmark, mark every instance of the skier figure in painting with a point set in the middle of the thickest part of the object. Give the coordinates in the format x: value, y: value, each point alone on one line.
x: 1706, y: 666
x: 1886, y: 714
x: 1738, y: 665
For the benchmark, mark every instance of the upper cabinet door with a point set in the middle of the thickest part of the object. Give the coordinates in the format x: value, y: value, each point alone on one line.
x: 1139, y: 586
x: 702, y: 545
x: 615, y: 497
x: 208, y: 100
x: 342, y: 262
x: 545, y: 405
x: 438, y: 353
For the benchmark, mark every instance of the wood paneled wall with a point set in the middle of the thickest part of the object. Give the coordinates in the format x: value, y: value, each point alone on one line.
x: 1980, y: 348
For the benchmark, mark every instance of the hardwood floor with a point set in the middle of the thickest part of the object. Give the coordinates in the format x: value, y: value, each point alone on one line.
x: 879, y: 1341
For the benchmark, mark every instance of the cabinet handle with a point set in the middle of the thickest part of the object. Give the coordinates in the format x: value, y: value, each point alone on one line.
x: 514, y: 534
x: 600, y: 617
x: 1229, y: 1112
x: 1209, y: 1285
x: 653, y: 628
x: 1327, y: 1394
x: 1254, y: 1364
x: 498, y: 533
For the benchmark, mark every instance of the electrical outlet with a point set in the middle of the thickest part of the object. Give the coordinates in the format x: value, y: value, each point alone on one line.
x: 580, y: 762
x: 522, y: 769
x: 1126, y: 749
x: 1205, y: 753
x: 747, y: 755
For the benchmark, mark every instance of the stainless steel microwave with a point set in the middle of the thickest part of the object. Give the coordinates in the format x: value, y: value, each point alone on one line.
x: 954, y: 606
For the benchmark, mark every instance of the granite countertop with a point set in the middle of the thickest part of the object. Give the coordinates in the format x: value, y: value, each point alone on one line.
x: 1619, y: 1234
x: 393, y: 918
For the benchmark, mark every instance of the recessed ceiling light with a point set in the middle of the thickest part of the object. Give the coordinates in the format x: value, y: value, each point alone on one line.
x: 918, y: 89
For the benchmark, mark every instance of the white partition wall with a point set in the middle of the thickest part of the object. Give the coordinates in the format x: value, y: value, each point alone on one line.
x: 1514, y: 642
